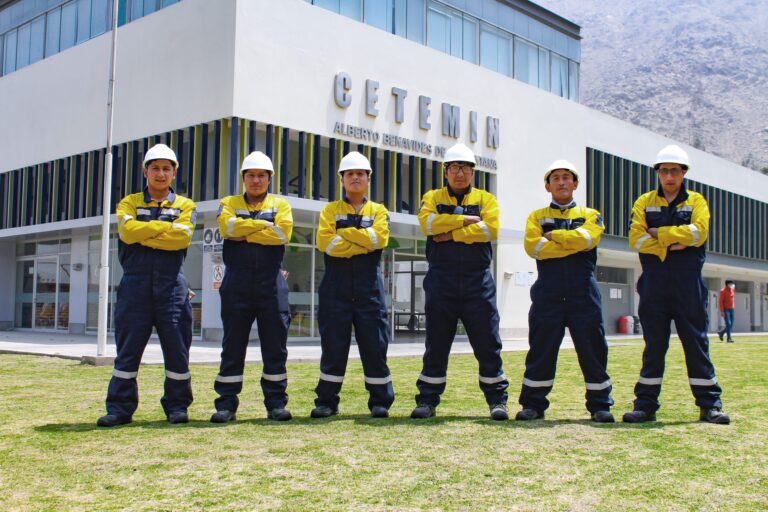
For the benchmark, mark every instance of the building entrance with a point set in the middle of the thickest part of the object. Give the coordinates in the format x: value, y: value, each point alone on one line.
x: 42, y: 292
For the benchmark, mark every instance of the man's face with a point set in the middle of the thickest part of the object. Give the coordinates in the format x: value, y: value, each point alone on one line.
x: 670, y: 177
x: 160, y: 174
x: 561, y: 185
x: 459, y: 175
x: 355, y: 181
x: 256, y: 181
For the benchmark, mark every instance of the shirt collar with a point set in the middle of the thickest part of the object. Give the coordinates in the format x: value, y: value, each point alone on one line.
x: 171, y: 196
x: 245, y: 197
x: 563, y: 207
x: 346, y: 200
x: 453, y: 194
x: 682, y: 195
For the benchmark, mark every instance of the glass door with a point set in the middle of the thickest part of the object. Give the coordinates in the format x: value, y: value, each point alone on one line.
x: 45, y: 295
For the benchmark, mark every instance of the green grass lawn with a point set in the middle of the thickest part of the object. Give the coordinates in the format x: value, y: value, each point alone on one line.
x: 53, y: 457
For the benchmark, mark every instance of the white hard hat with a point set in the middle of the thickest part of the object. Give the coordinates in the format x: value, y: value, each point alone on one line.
x: 459, y: 153
x: 672, y: 154
x: 160, y: 152
x: 354, y: 161
x: 258, y: 160
x: 561, y: 164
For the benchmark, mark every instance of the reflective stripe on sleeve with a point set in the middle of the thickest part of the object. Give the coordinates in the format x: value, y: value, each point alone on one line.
x: 229, y: 379
x: 178, y: 376
x: 433, y: 380
x: 125, y: 219
x: 279, y: 232
x: 586, y: 235
x: 182, y: 227
x: 485, y: 229
x: 695, y: 233
x: 331, y: 378
x: 591, y: 386
x: 243, y: 212
x: 374, y: 238
x: 378, y: 380
x: 649, y: 382
x: 492, y: 380
x: 653, y: 208
x: 538, y: 247
x: 231, y: 226
x: 124, y: 375
x: 429, y: 222
x: 703, y: 382
x: 538, y: 383
x: 641, y: 241
x: 274, y: 377
x: 335, y: 240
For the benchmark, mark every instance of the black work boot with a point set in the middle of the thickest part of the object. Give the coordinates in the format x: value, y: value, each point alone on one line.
x: 603, y: 417
x: 499, y: 412
x: 279, y: 414
x: 529, y: 414
x: 423, y: 411
x: 178, y: 417
x: 379, y: 411
x: 323, y: 411
x: 638, y: 417
x: 714, y: 415
x: 113, y: 420
x: 223, y: 416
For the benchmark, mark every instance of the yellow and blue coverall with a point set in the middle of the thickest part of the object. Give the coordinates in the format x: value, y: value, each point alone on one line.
x: 671, y: 287
x: 152, y: 245
x: 459, y: 286
x: 254, y: 289
x: 565, y: 294
x: 352, y: 293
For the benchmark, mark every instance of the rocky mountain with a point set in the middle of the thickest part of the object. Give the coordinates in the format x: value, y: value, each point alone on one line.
x: 694, y: 70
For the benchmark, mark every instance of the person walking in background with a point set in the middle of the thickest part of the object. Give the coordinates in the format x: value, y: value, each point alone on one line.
x: 154, y: 229
x: 669, y: 229
x: 727, y: 305
x: 563, y: 239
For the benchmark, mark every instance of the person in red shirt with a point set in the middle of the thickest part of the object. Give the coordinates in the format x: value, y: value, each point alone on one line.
x: 727, y: 304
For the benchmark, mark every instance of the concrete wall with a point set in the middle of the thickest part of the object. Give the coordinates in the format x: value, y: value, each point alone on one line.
x: 8, y: 288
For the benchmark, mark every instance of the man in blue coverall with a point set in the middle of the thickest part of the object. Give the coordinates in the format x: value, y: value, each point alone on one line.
x: 256, y: 227
x: 563, y: 239
x: 155, y: 229
x: 460, y: 223
x: 669, y: 229
x: 352, y: 233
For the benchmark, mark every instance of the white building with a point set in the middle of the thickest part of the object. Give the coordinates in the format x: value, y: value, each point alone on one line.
x: 400, y: 80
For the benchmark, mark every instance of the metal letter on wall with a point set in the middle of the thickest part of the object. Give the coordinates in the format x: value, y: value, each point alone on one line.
x: 424, y: 102
x: 371, y: 86
x: 492, y: 132
x: 341, y: 84
x: 399, y: 95
x: 472, y: 126
x: 451, y: 114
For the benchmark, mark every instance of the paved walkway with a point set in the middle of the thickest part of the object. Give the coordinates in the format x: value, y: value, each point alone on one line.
x: 82, y: 347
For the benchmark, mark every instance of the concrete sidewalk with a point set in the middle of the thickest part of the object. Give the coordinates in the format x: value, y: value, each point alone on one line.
x: 83, y: 348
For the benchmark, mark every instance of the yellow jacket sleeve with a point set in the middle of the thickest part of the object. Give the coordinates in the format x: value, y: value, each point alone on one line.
x: 132, y: 231
x: 583, y: 238
x: 433, y: 223
x: 538, y: 247
x: 639, y: 238
x: 484, y: 231
x: 280, y: 233
x: 372, y: 238
x: 330, y: 242
x: 694, y: 234
x: 179, y: 236
x: 232, y: 226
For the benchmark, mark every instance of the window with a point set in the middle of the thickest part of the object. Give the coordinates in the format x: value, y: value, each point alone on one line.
x: 380, y: 14
x: 573, y: 81
x: 444, y: 29
x: 100, y: 16
x: 469, y: 50
x: 83, y: 20
x: 559, y: 76
x: 22, y: 46
x: 37, y: 40
x: 415, y: 20
x: 544, y: 69
x: 53, y: 32
x: 9, y: 59
x: 526, y: 62
x: 68, y: 25
x: 495, y: 51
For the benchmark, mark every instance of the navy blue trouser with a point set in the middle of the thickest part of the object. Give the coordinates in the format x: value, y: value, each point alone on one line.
x: 728, y: 315
x: 145, y: 300
x: 553, y: 308
x: 470, y: 298
x: 341, y: 307
x: 245, y: 298
x: 680, y: 296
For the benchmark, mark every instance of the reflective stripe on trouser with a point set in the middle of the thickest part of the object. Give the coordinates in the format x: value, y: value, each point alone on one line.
x: 335, y: 320
x: 547, y: 319
x: 240, y: 306
x: 682, y: 298
x: 473, y: 301
x: 144, y: 301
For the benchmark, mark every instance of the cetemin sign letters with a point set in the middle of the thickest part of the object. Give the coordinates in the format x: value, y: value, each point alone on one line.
x: 450, y: 121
